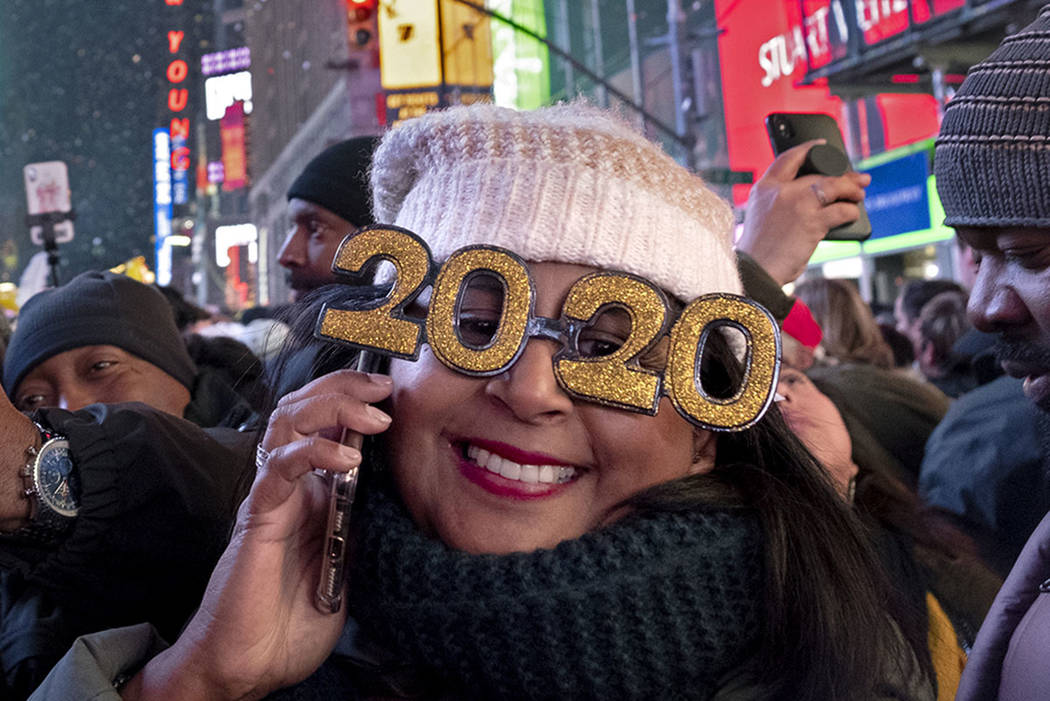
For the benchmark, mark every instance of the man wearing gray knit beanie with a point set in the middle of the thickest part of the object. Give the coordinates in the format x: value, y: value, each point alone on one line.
x: 992, y: 164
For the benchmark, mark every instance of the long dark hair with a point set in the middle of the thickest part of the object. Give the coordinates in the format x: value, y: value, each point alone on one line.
x: 833, y: 627
x: 824, y: 581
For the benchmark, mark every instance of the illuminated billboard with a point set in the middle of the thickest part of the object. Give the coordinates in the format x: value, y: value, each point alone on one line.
x: 229, y: 61
x: 221, y: 91
x: 433, y: 53
x: 162, y: 201
x: 520, y: 64
x: 766, y: 47
x: 234, y: 153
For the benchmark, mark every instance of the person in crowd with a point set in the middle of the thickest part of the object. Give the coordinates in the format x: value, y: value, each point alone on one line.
x: 986, y: 459
x: 727, y: 563
x: 105, y: 338
x: 221, y: 346
x: 913, y: 297
x: 850, y: 332
x: 989, y: 160
x: 326, y: 202
x: 942, y: 322
x: 815, y: 420
x: 903, y: 353
x: 976, y: 346
x: 189, y: 318
x: 936, y: 565
x: 984, y: 468
x: 800, y: 341
x: 148, y: 528
x: 897, y: 409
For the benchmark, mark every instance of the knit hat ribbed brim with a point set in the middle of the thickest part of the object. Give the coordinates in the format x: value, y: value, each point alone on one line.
x: 94, y: 309
x: 992, y: 158
x: 568, y: 184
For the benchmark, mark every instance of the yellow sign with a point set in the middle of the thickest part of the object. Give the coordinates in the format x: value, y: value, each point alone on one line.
x: 414, y: 54
x: 408, y: 44
x: 412, y: 104
x: 468, y: 45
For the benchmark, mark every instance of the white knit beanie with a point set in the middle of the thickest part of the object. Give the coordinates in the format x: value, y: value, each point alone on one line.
x: 569, y: 184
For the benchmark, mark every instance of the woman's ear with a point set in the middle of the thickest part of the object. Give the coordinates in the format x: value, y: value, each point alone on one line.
x: 704, y: 449
x: 927, y: 356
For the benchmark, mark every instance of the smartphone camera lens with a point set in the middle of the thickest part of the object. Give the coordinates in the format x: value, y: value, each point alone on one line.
x: 783, y: 129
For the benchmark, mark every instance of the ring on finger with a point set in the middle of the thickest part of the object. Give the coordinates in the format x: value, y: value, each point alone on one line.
x: 819, y: 193
x: 262, y: 456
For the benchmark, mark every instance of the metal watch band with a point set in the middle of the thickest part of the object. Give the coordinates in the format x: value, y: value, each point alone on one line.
x: 45, y: 526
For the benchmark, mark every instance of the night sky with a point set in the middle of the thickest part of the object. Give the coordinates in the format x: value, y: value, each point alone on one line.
x: 84, y: 82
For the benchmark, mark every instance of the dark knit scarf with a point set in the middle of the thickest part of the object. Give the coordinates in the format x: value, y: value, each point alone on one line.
x: 654, y: 606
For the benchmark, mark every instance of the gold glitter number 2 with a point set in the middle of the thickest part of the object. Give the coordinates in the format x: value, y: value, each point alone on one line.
x: 383, y: 328
x: 615, y: 379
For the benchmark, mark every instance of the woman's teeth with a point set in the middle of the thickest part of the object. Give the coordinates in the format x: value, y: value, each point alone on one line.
x: 529, y: 474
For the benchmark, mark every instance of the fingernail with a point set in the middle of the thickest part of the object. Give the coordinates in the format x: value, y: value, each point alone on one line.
x: 379, y: 378
x: 378, y: 415
x: 351, y: 455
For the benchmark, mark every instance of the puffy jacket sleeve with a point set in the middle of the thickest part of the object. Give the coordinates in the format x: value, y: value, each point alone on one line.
x: 98, y: 663
x: 980, y: 679
x: 762, y: 288
x: 158, y: 499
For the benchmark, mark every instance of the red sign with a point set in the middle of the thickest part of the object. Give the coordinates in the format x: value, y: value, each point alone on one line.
x: 234, y: 155
x: 178, y: 99
x: 764, y: 55
x: 925, y: 10
x: 765, y: 48
x: 881, y: 19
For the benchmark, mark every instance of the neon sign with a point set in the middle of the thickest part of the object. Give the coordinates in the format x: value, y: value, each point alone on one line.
x: 179, y: 126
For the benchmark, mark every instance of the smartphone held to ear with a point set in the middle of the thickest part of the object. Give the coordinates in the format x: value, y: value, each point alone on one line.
x: 789, y: 129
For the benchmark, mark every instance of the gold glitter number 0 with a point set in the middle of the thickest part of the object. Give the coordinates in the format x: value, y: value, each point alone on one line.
x: 688, y: 337
x: 509, y: 339
x: 613, y: 379
x: 383, y: 328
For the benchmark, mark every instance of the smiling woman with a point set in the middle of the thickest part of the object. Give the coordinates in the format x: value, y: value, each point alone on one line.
x: 523, y: 533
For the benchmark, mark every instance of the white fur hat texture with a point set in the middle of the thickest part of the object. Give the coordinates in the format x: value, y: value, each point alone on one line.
x: 570, y: 183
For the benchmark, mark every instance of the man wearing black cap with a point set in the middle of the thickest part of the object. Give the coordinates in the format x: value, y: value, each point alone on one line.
x: 992, y: 164
x: 328, y: 200
x: 106, y: 338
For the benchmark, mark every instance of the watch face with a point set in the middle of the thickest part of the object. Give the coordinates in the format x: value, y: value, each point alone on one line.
x: 58, y: 484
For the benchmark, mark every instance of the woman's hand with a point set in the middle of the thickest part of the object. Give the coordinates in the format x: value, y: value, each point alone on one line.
x: 258, y: 628
x: 787, y: 216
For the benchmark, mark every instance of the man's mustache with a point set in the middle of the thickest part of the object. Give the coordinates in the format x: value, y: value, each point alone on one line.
x: 1022, y: 352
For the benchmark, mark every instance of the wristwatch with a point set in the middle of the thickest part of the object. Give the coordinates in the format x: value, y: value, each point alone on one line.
x: 52, y: 486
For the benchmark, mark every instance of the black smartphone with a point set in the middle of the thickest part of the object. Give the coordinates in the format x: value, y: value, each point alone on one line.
x: 789, y: 129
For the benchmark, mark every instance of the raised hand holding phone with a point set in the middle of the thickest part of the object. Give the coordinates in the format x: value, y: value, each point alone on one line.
x: 788, y: 214
x: 789, y: 129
